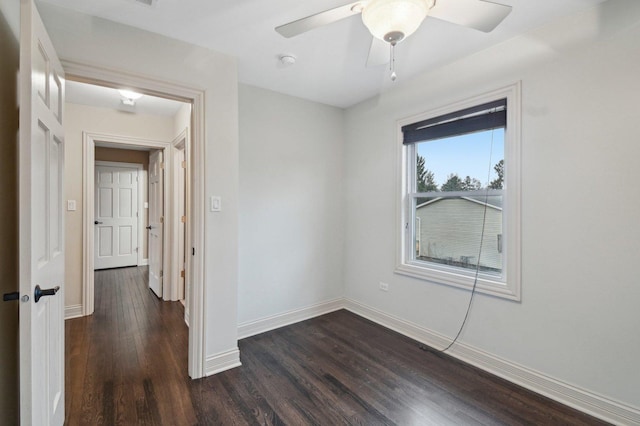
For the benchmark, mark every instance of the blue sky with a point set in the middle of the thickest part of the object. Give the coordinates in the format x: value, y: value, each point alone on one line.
x: 467, y: 155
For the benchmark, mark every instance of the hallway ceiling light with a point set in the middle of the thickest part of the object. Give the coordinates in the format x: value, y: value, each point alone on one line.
x: 129, y: 97
x: 128, y: 94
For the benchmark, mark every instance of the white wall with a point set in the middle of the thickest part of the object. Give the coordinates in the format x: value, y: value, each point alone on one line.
x: 291, y: 205
x: 99, y: 42
x: 578, y: 320
x: 182, y: 119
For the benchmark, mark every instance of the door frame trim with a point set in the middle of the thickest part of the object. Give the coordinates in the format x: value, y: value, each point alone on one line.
x: 89, y: 142
x: 139, y: 167
x: 86, y: 73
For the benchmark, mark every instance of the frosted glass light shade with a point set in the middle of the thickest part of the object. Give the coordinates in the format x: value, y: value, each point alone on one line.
x: 383, y: 17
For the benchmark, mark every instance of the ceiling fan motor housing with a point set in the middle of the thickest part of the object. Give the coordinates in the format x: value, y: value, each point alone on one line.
x: 395, y: 20
x: 394, y: 37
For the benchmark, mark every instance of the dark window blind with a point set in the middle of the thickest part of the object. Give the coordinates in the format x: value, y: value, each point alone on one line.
x: 487, y: 116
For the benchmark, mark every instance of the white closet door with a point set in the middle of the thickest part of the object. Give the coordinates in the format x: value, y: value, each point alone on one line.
x: 156, y: 225
x: 116, y: 216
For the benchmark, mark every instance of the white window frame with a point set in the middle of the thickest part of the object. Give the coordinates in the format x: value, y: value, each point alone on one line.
x: 508, y: 286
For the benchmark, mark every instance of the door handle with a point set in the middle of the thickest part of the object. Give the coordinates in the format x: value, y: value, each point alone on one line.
x: 38, y: 292
x: 149, y: 227
x: 97, y: 223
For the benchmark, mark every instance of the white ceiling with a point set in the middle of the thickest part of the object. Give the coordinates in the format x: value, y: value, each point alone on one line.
x: 106, y: 97
x: 331, y: 60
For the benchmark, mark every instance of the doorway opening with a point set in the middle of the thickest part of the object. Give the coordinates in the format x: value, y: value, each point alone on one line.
x: 112, y: 215
x: 181, y: 273
x: 129, y: 211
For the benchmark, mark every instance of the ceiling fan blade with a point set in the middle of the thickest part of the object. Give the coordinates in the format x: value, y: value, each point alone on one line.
x: 478, y: 14
x: 378, y: 52
x: 319, y: 19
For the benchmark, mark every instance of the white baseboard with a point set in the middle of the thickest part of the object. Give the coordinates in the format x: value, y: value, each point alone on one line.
x: 144, y: 262
x: 72, y: 311
x: 221, y: 362
x: 580, y: 399
x: 272, y: 322
x: 186, y: 317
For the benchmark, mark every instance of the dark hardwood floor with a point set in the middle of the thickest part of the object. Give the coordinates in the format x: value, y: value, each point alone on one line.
x: 127, y: 365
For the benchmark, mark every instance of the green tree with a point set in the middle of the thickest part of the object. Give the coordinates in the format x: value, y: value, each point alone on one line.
x: 497, y: 183
x: 453, y: 183
x: 471, y: 184
x: 425, y: 178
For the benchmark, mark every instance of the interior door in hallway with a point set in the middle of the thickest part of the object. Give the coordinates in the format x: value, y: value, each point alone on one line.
x: 41, y: 228
x: 156, y: 221
x: 179, y: 198
x: 116, y: 215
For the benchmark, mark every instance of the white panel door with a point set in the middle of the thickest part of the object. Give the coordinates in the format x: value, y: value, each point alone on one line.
x: 179, y: 198
x: 41, y: 229
x: 156, y: 212
x: 116, y: 216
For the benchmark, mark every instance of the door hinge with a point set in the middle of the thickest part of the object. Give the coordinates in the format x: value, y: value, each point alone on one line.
x: 183, y: 219
x: 162, y: 164
x: 161, y: 219
x: 161, y: 274
x: 193, y: 251
x: 184, y: 164
x: 182, y: 274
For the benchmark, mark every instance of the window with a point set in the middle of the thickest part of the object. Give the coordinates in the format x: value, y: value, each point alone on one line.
x: 460, y: 197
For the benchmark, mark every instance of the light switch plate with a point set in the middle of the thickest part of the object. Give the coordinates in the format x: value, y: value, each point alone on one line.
x: 216, y: 203
x: 71, y: 205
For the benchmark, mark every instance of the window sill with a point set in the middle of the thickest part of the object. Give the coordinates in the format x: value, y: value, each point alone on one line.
x: 485, y: 285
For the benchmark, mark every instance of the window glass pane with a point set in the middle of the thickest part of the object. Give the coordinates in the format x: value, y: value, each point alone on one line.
x: 448, y: 232
x: 448, y: 228
x: 445, y: 164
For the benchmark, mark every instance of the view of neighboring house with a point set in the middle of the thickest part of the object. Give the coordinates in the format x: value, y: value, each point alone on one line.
x: 449, y: 230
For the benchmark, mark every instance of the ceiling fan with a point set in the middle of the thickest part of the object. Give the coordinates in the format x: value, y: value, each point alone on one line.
x: 391, y: 21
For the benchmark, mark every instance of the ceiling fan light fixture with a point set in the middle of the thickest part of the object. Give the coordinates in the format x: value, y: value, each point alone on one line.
x: 395, y: 20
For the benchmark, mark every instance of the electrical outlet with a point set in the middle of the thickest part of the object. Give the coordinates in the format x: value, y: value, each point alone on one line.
x: 384, y: 286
